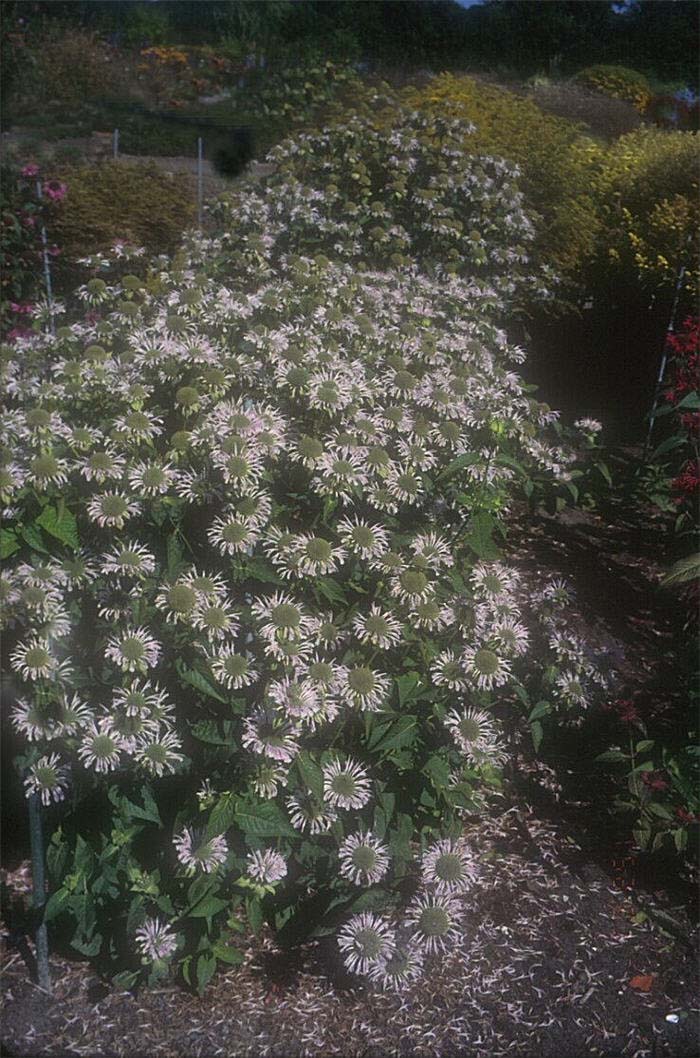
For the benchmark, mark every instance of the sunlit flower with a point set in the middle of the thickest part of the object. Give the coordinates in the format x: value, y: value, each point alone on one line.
x: 485, y: 668
x: 266, y: 867
x: 447, y: 866
x: 272, y: 736
x: 346, y: 784
x: 447, y: 670
x: 367, y: 941
x: 363, y: 858
x: 128, y: 560
x: 435, y: 920
x: 403, y: 966
x: 133, y: 650
x: 377, y: 628
x: 112, y: 509
x: 197, y: 852
x: 231, y: 669
x: 160, y: 754
x: 101, y: 746
x: 306, y: 813
x: 155, y: 939
x: 363, y: 538
x: 48, y: 778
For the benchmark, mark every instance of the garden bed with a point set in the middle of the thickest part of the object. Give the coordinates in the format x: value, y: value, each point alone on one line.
x: 555, y: 961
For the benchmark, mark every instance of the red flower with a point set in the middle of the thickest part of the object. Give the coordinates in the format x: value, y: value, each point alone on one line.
x: 685, y: 816
x: 654, y: 780
x: 55, y: 190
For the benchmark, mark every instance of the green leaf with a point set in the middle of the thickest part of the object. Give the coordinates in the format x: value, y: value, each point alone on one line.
x: 658, y: 810
x: 8, y: 543
x: 56, y: 903
x: 330, y: 590
x: 667, y: 446
x: 310, y: 773
x: 438, y: 770
x: 215, y: 733
x: 228, y: 954
x: 537, y: 734
x: 257, y: 568
x: 223, y: 814
x: 691, y: 402
x: 208, y: 907
x: 541, y: 709
x: 263, y: 820
x: 206, y: 968
x: 602, y: 468
x: 175, y: 555
x: 680, y: 838
x: 480, y: 539
x: 644, y: 745
x: 409, y: 688
x: 253, y: 910
x: 61, y: 524
x: 401, y: 733
x: 201, y: 683
x: 611, y: 756
x: 32, y: 536
x: 466, y: 460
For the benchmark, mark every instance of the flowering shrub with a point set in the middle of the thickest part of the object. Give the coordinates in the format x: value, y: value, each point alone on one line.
x: 415, y: 196
x: 556, y: 161
x: 620, y: 82
x: 648, y: 198
x: 295, y: 94
x: 257, y: 610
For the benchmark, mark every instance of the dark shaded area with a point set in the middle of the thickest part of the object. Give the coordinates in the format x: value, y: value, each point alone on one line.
x: 602, y: 362
x: 655, y: 36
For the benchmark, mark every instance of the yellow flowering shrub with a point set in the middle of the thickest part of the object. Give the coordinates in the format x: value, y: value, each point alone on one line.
x: 557, y: 161
x: 648, y: 201
x: 620, y: 82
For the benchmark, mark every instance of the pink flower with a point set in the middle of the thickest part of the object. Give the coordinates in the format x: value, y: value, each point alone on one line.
x: 54, y: 250
x: 30, y: 170
x: 55, y: 190
x: 23, y: 308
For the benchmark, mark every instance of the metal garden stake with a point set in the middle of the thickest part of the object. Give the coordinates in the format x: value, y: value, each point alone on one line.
x: 47, y: 267
x: 36, y: 836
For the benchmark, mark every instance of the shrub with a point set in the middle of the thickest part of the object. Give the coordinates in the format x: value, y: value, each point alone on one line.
x: 133, y: 203
x: 556, y: 161
x: 648, y: 199
x: 68, y: 64
x: 603, y: 116
x: 619, y: 82
x: 257, y: 599
x: 414, y: 197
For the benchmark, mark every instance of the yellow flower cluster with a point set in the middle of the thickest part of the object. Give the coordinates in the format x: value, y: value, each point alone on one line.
x: 166, y: 56
x: 620, y: 82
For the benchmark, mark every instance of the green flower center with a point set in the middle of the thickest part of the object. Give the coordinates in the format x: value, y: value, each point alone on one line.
x: 486, y: 662
x: 44, y: 467
x: 285, y: 616
x: 215, y: 617
x: 343, y: 468
x: 492, y: 584
x: 364, y: 858
x: 247, y: 507
x: 362, y: 536
x: 186, y: 396
x: 361, y: 680
x: 38, y: 418
x: 377, y: 626
x: 238, y: 467
x: 113, y: 506
x: 133, y: 649
x: 310, y: 447
x: 234, y: 533
x: 369, y: 942
x: 408, y: 482
x: 318, y: 550
x: 33, y: 596
x: 156, y: 753
x: 434, y: 922
x: 448, y: 867
x: 103, y: 746
x: 405, y: 381
x: 377, y: 457
x: 181, y: 598
x: 235, y: 665
x: 131, y: 559
x: 469, y: 729
x: 321, y: 672
x: 101, y: 461
x: 37, y: 658
x: 46, y: 777
x: 449, y: 430
x: 137, y: 421
x: 413, y: 582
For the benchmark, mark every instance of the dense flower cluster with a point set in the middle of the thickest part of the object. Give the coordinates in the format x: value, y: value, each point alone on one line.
x: 245, y: 509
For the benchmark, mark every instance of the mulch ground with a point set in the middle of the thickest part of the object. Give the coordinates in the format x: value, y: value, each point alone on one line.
x: 554, y: 963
